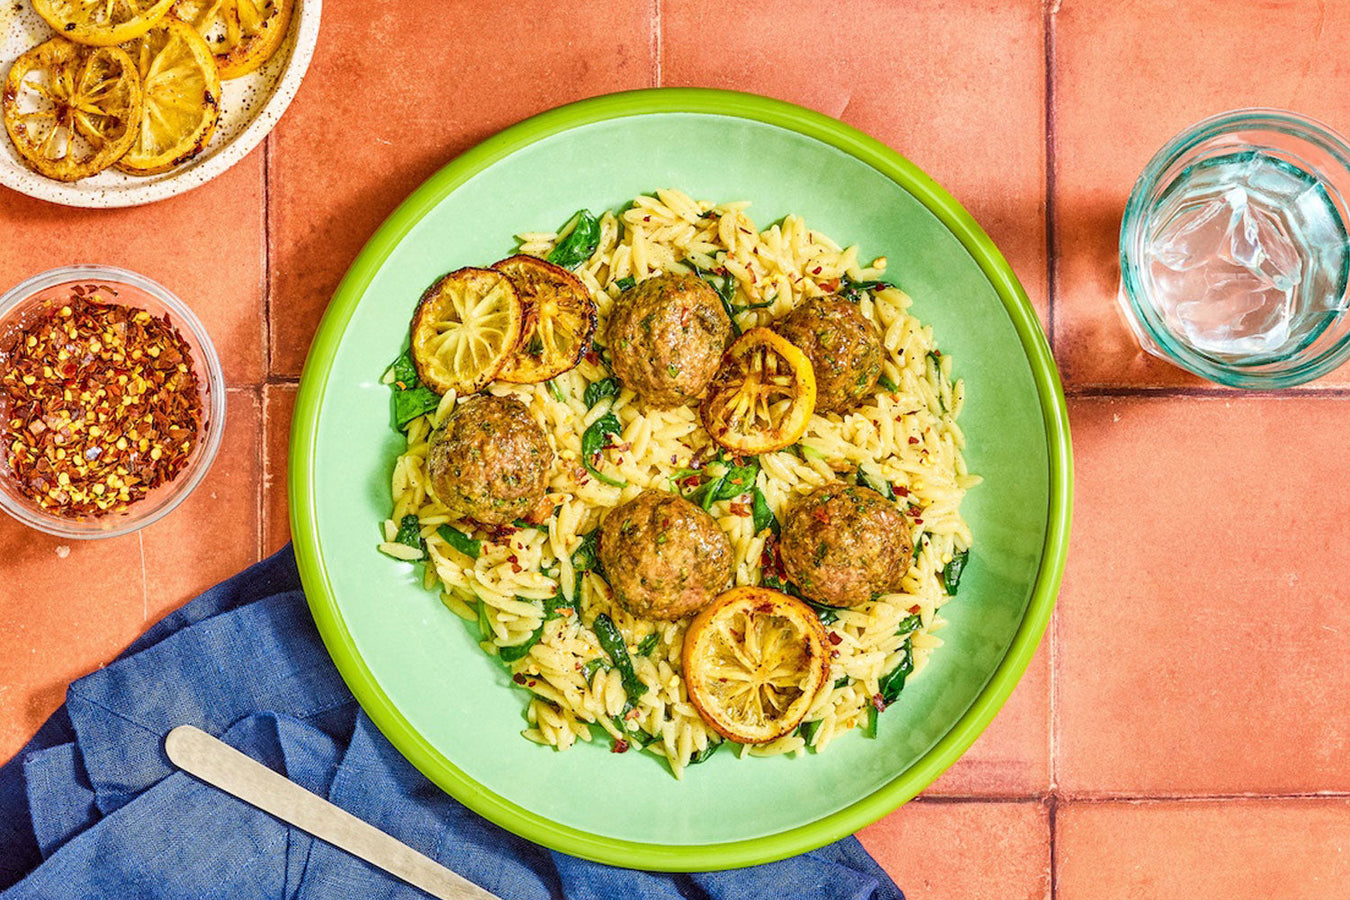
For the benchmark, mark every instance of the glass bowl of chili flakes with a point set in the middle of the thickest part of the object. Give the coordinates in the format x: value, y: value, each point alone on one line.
x: 112, y: 401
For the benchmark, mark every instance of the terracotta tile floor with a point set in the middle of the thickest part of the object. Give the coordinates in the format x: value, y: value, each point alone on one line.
x: 1184, y: 730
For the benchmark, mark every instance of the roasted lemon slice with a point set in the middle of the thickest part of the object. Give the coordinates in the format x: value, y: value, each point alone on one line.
x: 754, y: 661
x: 72, y: 110
x: 762, y: 396
x: 102, y: 23
x: 243, y: 34
x: 559, y: 319
x: 464, y: 329
x: 181, y: 89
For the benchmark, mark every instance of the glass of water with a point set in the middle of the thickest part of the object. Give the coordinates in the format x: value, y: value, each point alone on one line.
x: 1234, y: 254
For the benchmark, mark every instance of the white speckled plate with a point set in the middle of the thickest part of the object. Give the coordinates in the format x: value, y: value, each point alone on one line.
x: 251, y: 105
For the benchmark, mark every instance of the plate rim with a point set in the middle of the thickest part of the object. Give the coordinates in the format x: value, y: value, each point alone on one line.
x: 443, y: 772
x: 306, y: 22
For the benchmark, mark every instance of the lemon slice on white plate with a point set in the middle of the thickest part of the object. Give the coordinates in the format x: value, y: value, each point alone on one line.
x: 101, y: 23
x: 243, y: 34
x: 72, y: 110
x: 181, y: 89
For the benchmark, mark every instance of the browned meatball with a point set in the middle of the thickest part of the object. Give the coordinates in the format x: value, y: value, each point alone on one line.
x: 666, y: 337
x: 489, y: 459
x: 844, y: 347
x: 664, y: 557
x: 843, y: 544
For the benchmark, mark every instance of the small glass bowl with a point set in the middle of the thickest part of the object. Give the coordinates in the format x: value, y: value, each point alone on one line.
x: 23, y: 301
x: 1294, y: 139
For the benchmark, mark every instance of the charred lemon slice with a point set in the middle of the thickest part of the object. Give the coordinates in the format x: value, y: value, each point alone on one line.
x: 72, y: 110
x: 559, y: 319
x: 762, y: 396
x: 181, y: 89
x: 102, y: 23
x: 754, y: 661
x: 243, y: 34
x: 464, y: 329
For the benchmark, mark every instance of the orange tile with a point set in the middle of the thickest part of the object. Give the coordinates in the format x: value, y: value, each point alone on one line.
x: 206, y: 246
x: 1128, y: 77
x: 957, y: 87
x: 215, y: 533
x: 1203, y: 628
x: 1224, y: 850
x: 430, y: 87
x: 948, y: 850
x: 66, y: 607
x: 278, y: 404
x: 1012, y: 757
x: 81, y: 602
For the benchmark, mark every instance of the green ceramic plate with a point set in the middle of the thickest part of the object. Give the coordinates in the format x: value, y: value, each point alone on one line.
x: 415, y: 667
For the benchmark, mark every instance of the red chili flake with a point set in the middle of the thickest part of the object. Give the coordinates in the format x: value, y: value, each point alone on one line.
x: 518, y: 678
x: 902, y: 490
x: 821, y: 514
x: 619, y: 746
x: 914, y: 610
x: 101, y: 402
x: 834, y: 638
x: 740, y: 509
x: 816, y: 270
x: 879, y: 703
x: 913, y: 440
x: 918, y: 521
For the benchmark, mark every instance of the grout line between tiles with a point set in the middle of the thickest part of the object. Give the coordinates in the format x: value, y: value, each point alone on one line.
x: 1212, y: 392
x: 267, y: 256
x: 1051, y: 242
x: 656, y: 43
x: 260, y: 496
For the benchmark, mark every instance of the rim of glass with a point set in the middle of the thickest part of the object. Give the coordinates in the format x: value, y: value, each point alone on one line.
x: 1150, y: 184
x: 440, y: 769
x: 92, y: 529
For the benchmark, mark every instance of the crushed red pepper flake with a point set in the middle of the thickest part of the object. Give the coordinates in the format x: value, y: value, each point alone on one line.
x: 99, y: 404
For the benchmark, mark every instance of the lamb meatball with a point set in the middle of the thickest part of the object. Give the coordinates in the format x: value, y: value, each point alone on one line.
x: 664, y: 557
x: 843, y: 544
x: 489, y: 460
x: 844, y: 347
x: 666, y: 337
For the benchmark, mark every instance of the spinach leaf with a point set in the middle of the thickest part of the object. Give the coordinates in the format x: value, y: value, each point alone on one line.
x: 705, y: 754
x: 648, y: 644
x: 853, y: 290
x: 875, y: 482
x: 414, y: 402
x: 807, y: 453
x: 611, y: 641
x: 556, y: 391
x: 411, y: 397
x: 842, y: 682
x: 763, y: 516
x: 594, y: 440
x: 808, y: 730
x: 894, y: 681
x: 909, y: 623
x: 828, y: 615
x: 951, y: 573
x: 590, y: 667
x: 734, y: 481
x: 405, y: 373
x: 485, y: 631
x: 599, y: 390
x: 461, y: 541
x: 869, y: 729
x: 723, y: 284
x: 626, y: 283
x: 578, y: 246
x: 520, y: 651
x: 410, y: 532
x: 586, y: 558
x: 887, y: 383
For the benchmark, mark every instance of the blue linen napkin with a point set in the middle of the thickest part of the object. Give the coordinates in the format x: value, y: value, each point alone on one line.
x: 91, y: 807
